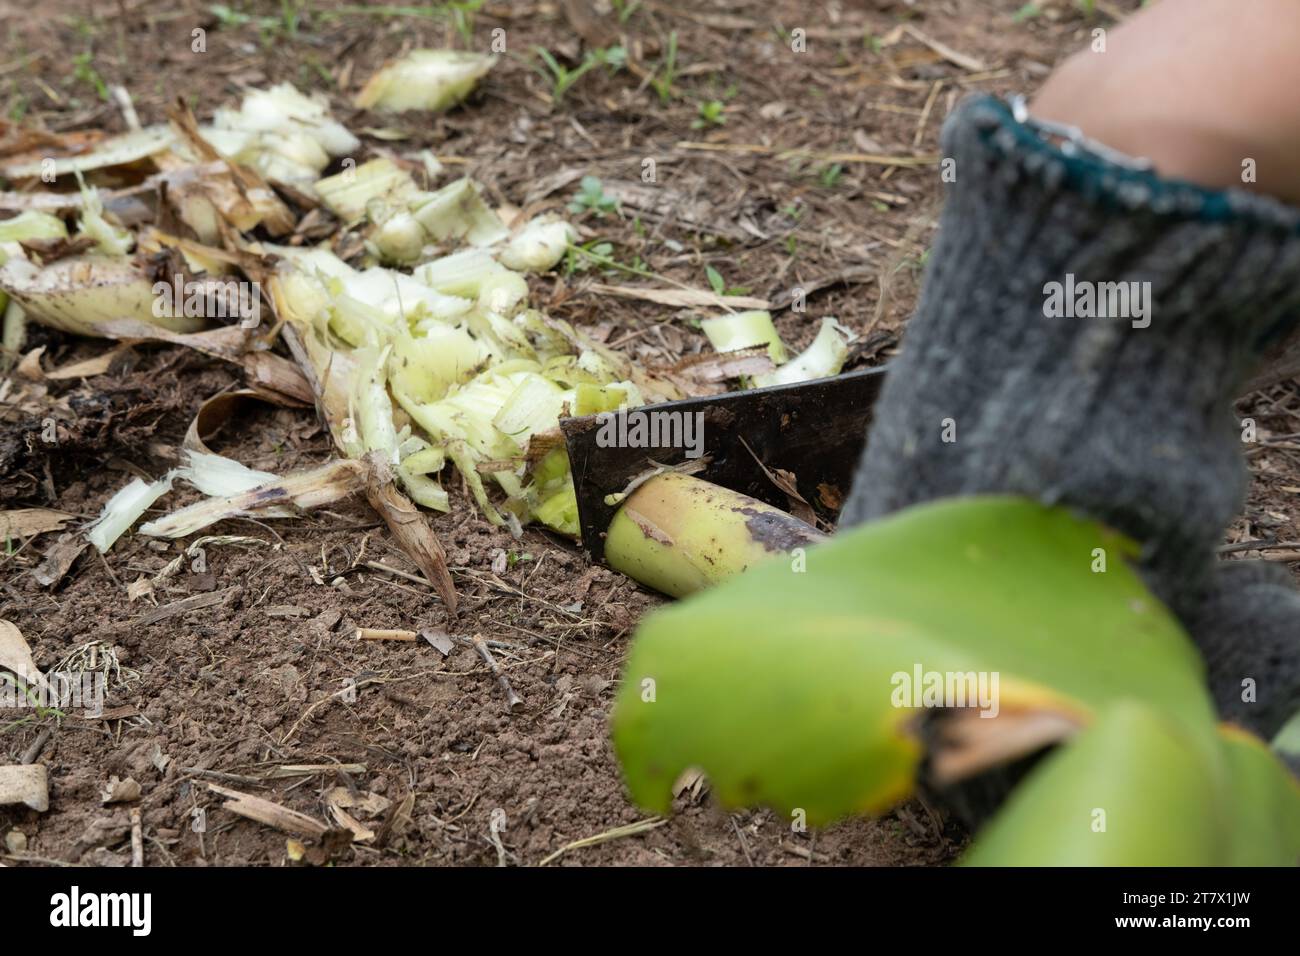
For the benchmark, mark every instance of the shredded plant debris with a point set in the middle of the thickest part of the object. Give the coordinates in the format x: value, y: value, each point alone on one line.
x: 411, y: 318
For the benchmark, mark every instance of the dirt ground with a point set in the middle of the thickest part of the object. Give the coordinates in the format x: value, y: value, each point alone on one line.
x: 248, y: 684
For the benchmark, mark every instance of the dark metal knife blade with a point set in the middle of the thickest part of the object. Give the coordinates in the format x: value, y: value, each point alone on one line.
x: 814, y: 430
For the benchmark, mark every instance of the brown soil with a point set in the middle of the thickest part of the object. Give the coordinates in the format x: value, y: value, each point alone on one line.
x: 229, y: 692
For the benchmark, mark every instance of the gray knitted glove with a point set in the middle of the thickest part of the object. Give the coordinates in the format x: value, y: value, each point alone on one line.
x: 1248, y: 628
x: 1125, y: 418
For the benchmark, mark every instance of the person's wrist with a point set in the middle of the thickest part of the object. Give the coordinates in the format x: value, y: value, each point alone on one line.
x: 1180, y: 84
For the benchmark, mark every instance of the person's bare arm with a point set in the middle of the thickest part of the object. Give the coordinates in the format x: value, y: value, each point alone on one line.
x: 1196, y: 86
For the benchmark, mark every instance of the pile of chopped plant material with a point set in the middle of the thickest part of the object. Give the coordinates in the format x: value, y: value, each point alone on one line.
x: 397, y: 304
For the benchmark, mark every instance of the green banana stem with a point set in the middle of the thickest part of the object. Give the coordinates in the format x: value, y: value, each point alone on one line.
x: 679, y: 534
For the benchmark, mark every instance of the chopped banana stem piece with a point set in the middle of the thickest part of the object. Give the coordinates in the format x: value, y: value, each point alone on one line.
x: 83, y: 293
x: 680, y: 534
x: 457, y: 211
x: 727, y: 333
x: 424, y: 80
x: 823, y: 358
x: 125, y: 508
